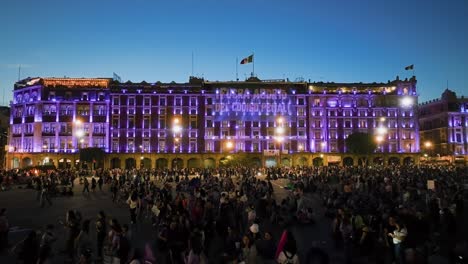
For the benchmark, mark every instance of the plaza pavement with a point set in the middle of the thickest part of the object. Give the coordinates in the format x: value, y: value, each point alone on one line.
x: 25, y: 213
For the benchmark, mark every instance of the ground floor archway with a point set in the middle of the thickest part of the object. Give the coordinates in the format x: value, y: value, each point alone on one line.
x: 302, y: 161
x: 26, y: 162
x: 348, y: 161
x: 209, y: 163
x: 285, y: 162
x: 145, y: 163
x: 161, y: 163
x: 378, y: 161
x: 193, y: 163
x: 408, y: 161
x: 393, y: 161
x: 256, y: 162
x: 115, y: 163
x: 317, y: 161
x: 177, y: 163
x: 130, y: 163
x: 270, y: 162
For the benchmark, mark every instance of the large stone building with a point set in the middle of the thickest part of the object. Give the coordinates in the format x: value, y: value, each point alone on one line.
x: 4, y: 125
x: 444, y: 127
x: 203, y: 123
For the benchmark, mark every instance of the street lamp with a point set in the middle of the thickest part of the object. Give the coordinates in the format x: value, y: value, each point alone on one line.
x: 406, y: 101
x: 229, y: 145
x: 279, y: 135
x: 379, y: 139
x: 177, y: 132
x: 323, y: 145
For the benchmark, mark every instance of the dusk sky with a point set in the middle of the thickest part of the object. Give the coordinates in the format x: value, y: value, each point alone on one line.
x: 152, y: 40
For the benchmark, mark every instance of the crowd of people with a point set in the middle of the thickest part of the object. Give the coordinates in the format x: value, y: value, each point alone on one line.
x: 379, y: 214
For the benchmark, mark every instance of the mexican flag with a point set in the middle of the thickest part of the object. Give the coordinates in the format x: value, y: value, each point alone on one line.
x: 249, y: 59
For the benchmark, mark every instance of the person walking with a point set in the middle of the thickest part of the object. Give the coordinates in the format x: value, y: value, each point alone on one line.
x: 45, y: 195
x: 93, y: 184
x: 134, y: 204
x: 100, y: 233
x: 83, y: 240
x: 45, y: 248
x: 100, y: 183
x: 85, y: 185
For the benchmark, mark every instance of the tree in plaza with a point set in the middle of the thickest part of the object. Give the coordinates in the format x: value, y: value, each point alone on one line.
x: 239, y: 159
x: 93, y: 156
x: 361, y: 144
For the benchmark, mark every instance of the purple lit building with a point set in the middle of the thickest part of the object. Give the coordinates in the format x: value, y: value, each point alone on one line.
x: 444, y: 128
x: 203, y: 123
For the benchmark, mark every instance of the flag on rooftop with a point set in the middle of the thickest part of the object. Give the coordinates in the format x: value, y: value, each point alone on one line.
x: 249, y: 59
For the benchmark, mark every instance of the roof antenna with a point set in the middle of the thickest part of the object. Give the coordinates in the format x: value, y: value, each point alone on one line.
x: 19, y: 72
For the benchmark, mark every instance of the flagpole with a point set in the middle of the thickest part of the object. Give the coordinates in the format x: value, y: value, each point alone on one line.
x: 19, y: 72
x: 253, y: 64
x: 192, y: 63
x: 237, y: 73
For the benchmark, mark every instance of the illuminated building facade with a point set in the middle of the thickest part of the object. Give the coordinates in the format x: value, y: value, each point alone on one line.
x: 200, y: 123
x: 444, y: 127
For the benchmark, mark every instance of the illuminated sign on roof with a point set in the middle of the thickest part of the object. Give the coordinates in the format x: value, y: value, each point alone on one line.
x: 70, y: 82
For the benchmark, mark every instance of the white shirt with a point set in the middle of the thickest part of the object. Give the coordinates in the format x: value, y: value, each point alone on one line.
x: 402, y: 233
x: 283, y: 259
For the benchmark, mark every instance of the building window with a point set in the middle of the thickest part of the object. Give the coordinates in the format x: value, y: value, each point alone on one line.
x: 131, y: 122
x: 362, y: 123
x: 146, y: 122
x: 193, y: 123
x: 115, y: 121
x: 209, y: 146
x: 146, y: 101
x: 300, y: 101
x: 178, y: 101
x: 318, y: 123
x: 115, y: 145
x: 131, y: 101
x: 161, y: 145
x: 301, y: 123
x: 162, y: 123
x: 300, y: 111
x: 193, y: 101
x: 130, y: 145
x: 347, y: 123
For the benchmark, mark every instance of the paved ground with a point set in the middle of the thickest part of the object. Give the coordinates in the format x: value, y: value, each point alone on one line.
x: 24, y: 212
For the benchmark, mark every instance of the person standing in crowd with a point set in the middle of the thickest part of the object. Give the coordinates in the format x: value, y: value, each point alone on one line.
x: 100, y: 183
x: 45, y: 249
x: 4, y: 229
x: 100, y: 234
x: 134, y: 205
x: 398, y: 236
x: 93, y: 184
x: 85, y: 185
x: 72, y: 226
x: 83, y: 240
x: 45, y: 194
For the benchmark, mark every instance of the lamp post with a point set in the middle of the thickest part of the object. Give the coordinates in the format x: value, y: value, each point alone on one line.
x: 428, y: 147
x: 79, y: 134
x: 279, y: 136
x: 177, y: 132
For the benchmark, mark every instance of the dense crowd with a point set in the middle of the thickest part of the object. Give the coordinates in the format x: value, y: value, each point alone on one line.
x: 391, y: 214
